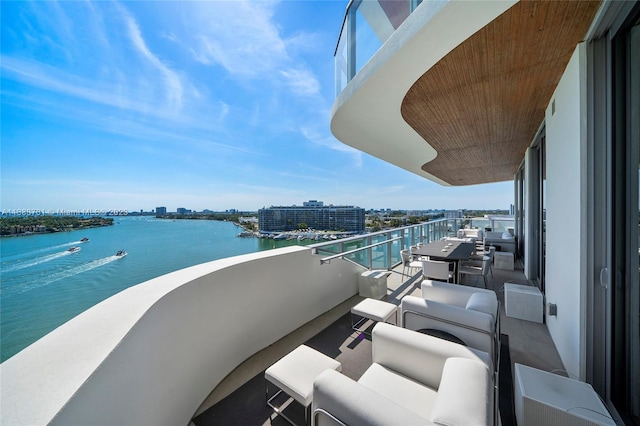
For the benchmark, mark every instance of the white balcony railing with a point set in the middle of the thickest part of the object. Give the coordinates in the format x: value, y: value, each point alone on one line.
x: 385, y: 253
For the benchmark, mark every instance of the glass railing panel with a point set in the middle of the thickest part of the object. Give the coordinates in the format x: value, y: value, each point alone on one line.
x: 503, y: 225
x: 361, y: 257
x: 340, y: 62
x: 480, y: 224
x: 331, y: 248
x: 496, y: 224
x: 366, y: 26
x: 381, y: 250
x: 379, y: 257
x: 372, y: 29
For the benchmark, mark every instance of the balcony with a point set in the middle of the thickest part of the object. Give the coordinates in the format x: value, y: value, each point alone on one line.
x: 239, y: 399
x: 152, y: 353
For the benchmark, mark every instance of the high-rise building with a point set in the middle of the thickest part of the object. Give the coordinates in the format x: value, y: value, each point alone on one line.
x: 314, y: 214
x: 161, y: 210
x: 454, y: 214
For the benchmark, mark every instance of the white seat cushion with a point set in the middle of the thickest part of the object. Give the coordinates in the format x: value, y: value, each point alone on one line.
x: 376, y: 310
x: 403, y: 391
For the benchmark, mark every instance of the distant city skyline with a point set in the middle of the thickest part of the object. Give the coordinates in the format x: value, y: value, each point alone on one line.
x: 202, y: 105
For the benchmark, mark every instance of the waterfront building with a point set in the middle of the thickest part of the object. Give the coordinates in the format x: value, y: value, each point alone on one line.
x: 451, y: 214
x: 161, y: 210
x: 315, y: 215
x: 544, y: 94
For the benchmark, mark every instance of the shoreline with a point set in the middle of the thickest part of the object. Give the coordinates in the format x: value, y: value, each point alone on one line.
x: 43, y: 225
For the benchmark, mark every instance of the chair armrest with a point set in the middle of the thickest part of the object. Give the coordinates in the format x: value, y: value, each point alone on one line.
x: 337, y: 396
x: 466, y: 395
x: 415, y: 355
x: 452, y: 294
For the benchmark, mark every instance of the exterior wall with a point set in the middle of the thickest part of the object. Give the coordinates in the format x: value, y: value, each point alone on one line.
x: 151, y: 354
x: 566, y: 213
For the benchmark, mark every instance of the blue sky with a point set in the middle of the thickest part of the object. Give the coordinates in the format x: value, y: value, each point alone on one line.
x: 203, y: 105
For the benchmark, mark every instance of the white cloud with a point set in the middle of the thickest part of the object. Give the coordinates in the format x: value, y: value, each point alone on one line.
x: 239, y: 36
x: 301, y: 82
x: 332, y: 143
x: 173, y: 85
x: 243, y: 38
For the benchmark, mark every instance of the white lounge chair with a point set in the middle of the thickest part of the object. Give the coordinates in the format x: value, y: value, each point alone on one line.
x: 415, y: 379
x: 468, y: 313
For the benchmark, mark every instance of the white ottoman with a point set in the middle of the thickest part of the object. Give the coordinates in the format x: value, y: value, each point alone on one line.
x: 523, y: 302
x: 295, y: 373
x: 375, y: 310
x: 503, y: 260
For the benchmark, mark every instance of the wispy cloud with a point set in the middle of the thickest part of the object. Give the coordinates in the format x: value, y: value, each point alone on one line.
x: 43, y: 76
x: 239, y: 36
x: 330, y: 142
x: 302, y: 82
x: 173, y: 85
x: 243, y: 38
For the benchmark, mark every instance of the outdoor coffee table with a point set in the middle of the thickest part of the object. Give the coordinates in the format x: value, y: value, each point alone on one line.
x: 294, y: 375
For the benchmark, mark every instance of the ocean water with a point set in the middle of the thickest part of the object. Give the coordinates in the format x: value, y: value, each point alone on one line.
x: 42, y: 285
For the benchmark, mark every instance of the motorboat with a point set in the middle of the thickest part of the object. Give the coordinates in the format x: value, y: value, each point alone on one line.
x: 121, y: 253
x: 73, y: 249
x: 84, y: 240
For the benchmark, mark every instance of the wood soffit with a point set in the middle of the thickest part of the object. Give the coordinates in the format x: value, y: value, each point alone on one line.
x: 480, y: 106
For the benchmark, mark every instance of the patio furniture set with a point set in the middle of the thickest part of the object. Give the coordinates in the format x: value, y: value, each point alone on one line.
x: 435, y: 357
x: 418, y: 376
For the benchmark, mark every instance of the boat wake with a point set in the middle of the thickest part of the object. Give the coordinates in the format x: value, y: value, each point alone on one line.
x: 14, y: 287
x: 42, y: 250
x: 79, y: 269
x: 38, y: 261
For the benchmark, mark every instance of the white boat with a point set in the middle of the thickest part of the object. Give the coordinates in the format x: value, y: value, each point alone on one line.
x: 280, y: 237
x: 73, y: 249
x: 121, y: 253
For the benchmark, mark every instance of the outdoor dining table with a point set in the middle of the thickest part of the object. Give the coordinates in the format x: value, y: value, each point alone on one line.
x: 450, y: 251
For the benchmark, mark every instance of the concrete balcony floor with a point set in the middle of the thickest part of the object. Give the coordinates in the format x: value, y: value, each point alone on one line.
x: 240, y: 397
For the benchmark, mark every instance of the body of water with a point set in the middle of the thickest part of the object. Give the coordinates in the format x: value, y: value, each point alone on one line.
x: 43, y: 285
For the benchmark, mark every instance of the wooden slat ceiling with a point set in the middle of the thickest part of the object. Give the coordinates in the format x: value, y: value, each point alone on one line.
x: 481, y: 105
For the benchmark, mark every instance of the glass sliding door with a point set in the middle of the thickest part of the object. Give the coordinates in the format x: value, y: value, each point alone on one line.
x: 625, y: 331
x: 519, y: 212
x: 613, y: 309
x: 536, y: 212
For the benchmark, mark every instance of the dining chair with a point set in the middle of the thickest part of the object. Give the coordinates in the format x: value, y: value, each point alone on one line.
x: 437, y: 270
x: 478, y: 270
x: 408, y: 263
x: 476, y: 259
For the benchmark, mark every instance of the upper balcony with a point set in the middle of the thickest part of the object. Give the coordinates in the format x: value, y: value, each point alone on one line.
x: 434, y: 86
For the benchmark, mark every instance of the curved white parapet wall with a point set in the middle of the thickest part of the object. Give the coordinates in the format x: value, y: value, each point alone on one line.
x: 366, y: 115
x: 152, y: 353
